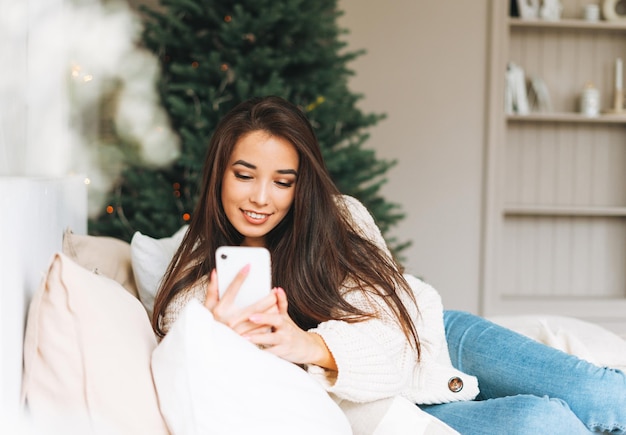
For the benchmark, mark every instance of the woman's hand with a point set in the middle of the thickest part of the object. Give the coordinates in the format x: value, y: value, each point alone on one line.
x: 287, y: 340
x: 225, y: 311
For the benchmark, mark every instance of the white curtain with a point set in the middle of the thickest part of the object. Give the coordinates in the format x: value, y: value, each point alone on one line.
x: 34, y: 126
x: 61, y: 60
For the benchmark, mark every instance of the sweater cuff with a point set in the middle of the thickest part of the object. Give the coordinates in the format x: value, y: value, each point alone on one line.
x: 367, y: 370
x: 434, y: 385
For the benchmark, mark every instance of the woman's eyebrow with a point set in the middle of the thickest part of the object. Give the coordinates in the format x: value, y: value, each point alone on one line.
x: 288, y: 171
x: 244, y: 163
x: 251, y: 166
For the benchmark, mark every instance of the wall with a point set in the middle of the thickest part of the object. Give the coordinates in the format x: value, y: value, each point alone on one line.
x: 36, y: 212
x: 426, y: 68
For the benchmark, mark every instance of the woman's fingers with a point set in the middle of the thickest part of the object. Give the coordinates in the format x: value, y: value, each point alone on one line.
x: 233, y: 288
x: 212, y: 296
x: 265, y: 304
x: 281, y: 299
x: 225, y: 310
x: 285, y: 339
x: 242, y: 324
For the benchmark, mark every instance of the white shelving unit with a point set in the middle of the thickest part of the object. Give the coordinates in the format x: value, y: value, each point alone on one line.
x: 555, y: 218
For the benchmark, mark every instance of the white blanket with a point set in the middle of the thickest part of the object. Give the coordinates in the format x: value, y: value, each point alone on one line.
x: 586, y: 340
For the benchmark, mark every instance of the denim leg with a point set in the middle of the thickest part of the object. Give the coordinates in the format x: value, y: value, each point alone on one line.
x: 510, y: 364
x: 514, y: 415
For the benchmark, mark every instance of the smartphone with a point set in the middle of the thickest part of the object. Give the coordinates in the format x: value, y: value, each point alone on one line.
x: 230, y: 260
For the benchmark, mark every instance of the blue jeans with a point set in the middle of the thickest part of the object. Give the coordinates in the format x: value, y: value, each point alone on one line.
x: 527, y: 387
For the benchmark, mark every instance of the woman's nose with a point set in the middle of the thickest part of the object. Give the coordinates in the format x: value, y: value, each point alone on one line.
x: 260, y: 194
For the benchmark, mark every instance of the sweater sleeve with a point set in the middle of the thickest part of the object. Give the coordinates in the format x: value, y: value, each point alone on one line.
x: 429, y: 383
x: 179, y: 301
x: 374, y: 358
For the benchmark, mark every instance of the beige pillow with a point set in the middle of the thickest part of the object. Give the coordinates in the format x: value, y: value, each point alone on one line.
x: 106, y: 256
x: 87, y: 355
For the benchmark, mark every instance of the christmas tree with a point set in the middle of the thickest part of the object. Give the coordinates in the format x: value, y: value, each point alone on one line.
x: 217, y: 53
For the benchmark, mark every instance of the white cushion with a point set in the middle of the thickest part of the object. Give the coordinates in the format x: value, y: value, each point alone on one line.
x: 392, y: 416
x: 87, y: 353
x: 211, y: 380
x: 150, y: 258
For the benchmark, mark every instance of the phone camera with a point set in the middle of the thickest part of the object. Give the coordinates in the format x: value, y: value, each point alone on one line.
x: 224, y: 256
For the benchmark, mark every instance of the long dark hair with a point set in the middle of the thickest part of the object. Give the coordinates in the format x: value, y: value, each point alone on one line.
x: 315, y: 249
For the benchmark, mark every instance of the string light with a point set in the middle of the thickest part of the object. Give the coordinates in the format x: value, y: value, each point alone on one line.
x: 319, y: 100
x: 75, y: 70
x: 186, y: 216
x: 110, y: 209
x: 228, y: 18
x: 76, y: 73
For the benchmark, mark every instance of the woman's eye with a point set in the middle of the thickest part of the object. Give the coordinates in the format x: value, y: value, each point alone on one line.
x: 242, y: 176
x: 284, y: 183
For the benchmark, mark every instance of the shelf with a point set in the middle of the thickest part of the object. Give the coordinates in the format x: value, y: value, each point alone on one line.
x: 555, y: 220
x: 567, y: 211
x: 569, y: 118
x: 576, y: 24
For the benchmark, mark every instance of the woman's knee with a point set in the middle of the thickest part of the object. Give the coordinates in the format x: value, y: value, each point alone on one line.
x: 462, y: 321
x: 455, y: 315
x: 458, y: 320
x: 463, y: 329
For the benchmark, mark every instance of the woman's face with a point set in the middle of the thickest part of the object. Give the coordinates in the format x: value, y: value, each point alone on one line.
x: 259, y: 184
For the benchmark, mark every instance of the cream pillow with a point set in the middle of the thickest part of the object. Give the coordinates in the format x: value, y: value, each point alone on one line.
x: 211, y: 380
x: 150, y: 258
x: 106, y: 256
x: 87, y: 351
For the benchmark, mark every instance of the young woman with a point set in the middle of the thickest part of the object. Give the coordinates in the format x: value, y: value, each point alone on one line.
x: 342, y: 308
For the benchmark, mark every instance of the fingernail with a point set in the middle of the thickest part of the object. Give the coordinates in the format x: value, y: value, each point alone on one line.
x: 246, y: 269
x: 255, y: 318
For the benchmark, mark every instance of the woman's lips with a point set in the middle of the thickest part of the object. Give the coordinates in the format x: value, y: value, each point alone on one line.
x: 254, y: 217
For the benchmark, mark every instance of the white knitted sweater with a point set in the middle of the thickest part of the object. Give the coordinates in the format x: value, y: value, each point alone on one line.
x: 374, y: 358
